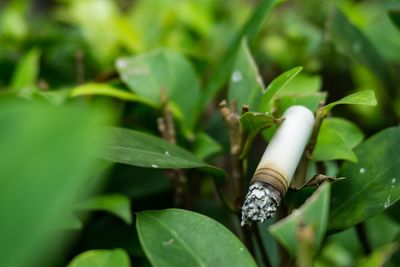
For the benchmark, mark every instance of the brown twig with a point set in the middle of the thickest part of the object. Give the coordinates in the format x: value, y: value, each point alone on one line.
x: 231, y: 118
x: 166, y: 127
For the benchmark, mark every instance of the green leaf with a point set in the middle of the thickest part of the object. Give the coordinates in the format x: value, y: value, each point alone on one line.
x: 246, y: 85
x: 129, y: 181
x: 311, y: 101
x: 394, y: 15
x: 302, y: 83
x: 350, y: 132
x: 101, y: 258
x: 56, y: 97
x: 365, y: 97
x: 224, y: 69
x: 27, y: 71
x: 119, y: 205
x: 70, y: 222
x: 313, y: 213
x: 351, y: 42
x: 331, y: 146
x: 205, y: 146
x: 277, y: 84
x: 336, y: 139
x: 46, y: 160
x: 252, y: 123
x: 144, y: 150
x: 108, y: 90
x: 378, y: 257
x: 372, y: 183
x: 148, y: 74
x: 193, y: 240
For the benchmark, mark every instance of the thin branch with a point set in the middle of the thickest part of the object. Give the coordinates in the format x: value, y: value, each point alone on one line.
x: 166, y: 127
x: 231, y: 118
x: 247, y: 238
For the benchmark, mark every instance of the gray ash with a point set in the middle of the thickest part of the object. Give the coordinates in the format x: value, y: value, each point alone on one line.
x: 260, y: 204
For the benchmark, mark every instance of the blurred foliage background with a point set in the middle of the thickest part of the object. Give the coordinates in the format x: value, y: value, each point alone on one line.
x: 49, y: 49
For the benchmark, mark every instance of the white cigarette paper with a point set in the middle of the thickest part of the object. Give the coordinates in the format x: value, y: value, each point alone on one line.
x: 287, y: 145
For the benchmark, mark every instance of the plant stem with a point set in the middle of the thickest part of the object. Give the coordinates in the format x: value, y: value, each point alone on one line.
x: 231, y: 118
x: 166, y: 127
x: 247, y: 238
x: 363, y: 238
x: 261, y: 246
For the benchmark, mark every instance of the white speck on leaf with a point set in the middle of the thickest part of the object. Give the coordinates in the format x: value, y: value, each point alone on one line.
x: 121, y: 64
x: 236, y: 76
x: 154, y: 166
x: 393, y: 180
x: 167, y: 153
x: 168, y: 242
x: 241, y: 249
x: 362, y: 170
x: 387, y: 202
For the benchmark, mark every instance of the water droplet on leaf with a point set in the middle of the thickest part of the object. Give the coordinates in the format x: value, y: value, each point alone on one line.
x: 236, y: 76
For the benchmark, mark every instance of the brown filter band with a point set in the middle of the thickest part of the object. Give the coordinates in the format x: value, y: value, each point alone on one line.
x: 272, y: 177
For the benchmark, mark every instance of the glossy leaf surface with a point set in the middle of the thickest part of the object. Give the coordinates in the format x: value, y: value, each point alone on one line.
x: 371, y: 185
x: 193, y: 239
x: 145, y: 150
x: 245, y: 85
x: 365, y: 97
x: 336, y: 139
x: 313, y: 213
x: 119, y: 205
x: 101, y: 258
x: 161, y: 72
x: 277, y: 84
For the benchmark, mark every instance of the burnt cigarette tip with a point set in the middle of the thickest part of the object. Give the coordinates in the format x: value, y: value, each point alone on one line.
x: 260, y: 204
